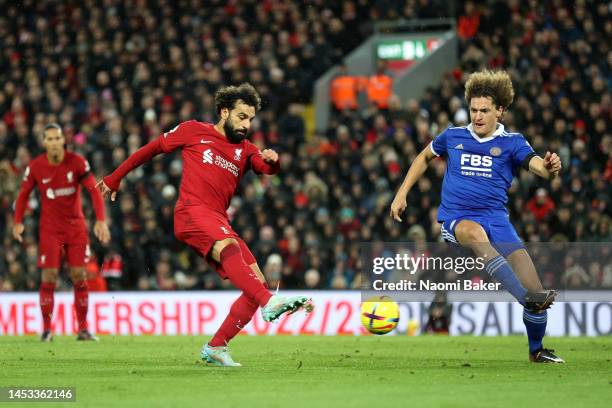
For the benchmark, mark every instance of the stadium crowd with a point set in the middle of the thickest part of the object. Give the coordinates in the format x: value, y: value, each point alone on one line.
x: 116, y: 74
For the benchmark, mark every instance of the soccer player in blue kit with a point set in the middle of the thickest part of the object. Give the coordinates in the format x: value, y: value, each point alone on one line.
x: 482, y: 159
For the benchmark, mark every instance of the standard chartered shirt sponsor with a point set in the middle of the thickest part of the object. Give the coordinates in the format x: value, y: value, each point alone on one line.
x: 227, y: 165
x: 60, y: 192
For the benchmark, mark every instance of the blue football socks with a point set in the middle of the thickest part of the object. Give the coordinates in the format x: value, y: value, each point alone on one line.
x: 501, y: 270
x: 536, y: 328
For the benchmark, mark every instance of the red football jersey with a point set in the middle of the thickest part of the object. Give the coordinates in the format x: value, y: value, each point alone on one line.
x: 212, y: 166
x: 60, y: 192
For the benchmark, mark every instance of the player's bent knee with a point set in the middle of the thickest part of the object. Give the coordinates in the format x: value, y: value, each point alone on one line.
x: 470, y: 232
x: 78, y: 274
x: 220, y: 246
x: 49, y: 275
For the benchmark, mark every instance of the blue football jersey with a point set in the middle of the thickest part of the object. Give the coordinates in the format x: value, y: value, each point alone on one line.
x: 479, y: 171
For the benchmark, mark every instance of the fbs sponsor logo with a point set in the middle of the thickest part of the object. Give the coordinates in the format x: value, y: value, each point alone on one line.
x: 476, y: 165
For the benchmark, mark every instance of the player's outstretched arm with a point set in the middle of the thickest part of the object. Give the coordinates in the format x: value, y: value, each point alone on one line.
x: 416, y: 170
x: 266, y: 162
x: 548, y: 167
x: 109, y: 185
x: 105, y: 190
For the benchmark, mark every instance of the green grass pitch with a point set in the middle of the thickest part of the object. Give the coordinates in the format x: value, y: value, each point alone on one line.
x: 314, y: 372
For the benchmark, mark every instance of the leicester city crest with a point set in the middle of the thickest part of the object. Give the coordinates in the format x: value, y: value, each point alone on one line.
x: 495, y: 151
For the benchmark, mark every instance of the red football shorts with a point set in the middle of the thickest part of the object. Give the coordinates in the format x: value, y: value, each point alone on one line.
x: 201, y: 228
x: 52, y: 246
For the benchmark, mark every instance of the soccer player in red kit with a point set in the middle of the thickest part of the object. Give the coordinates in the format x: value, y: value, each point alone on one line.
x: 215, y: 158
x: 59, y: 174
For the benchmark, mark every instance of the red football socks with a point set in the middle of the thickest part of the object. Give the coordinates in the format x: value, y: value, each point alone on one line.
x: 239, y: 316
x: 46, y: 303
x: 242, y: 276
x: 81, y: 302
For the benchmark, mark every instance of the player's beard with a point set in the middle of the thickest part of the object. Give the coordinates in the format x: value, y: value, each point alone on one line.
x: 232, y: 135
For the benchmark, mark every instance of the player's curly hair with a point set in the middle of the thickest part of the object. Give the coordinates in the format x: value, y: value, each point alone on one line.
x: 496, y: 84
x: 227, y: 96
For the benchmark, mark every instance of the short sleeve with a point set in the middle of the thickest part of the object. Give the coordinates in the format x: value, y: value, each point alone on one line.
x: 83, y: 168
x: 177, y: 136
x: 438, y: 145
x: 522, y: 153
x: 28, y: 176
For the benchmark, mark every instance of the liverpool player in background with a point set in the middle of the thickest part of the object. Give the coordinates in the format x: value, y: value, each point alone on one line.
x: 482, y: 159
x: 59, y: 174
x: 215, y: 158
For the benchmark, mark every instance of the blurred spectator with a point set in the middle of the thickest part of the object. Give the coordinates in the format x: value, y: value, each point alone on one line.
x: 440, y: 312
x: 467, y: 26
x: 344, y: 89
x: 112, y: 270
x: 164, y: 277
x: 541, y: 206
x: 574, y: 275
x: 95, y: 281
x: 312, y: 279
x: 272, y: 270
x: 380, y: 86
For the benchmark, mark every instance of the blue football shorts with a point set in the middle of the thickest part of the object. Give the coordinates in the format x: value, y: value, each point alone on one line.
x: 500, y: 231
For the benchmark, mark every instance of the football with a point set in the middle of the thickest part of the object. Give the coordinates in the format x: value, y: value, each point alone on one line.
x: 379, y: 314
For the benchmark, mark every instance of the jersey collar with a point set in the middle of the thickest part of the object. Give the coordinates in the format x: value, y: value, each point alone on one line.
x: 498, y: 131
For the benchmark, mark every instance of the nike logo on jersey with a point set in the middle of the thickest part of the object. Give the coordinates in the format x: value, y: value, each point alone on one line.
x: 206, y: 141
x: 46, y: 180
